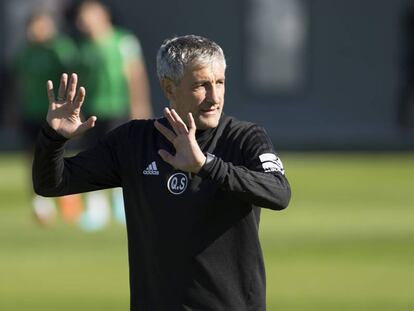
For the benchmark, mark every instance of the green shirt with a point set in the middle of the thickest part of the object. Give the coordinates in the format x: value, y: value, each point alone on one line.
x: 102, y: 72
x: 34, y: 65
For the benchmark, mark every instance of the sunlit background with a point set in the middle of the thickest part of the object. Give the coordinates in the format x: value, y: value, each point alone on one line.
x: 330, y: 80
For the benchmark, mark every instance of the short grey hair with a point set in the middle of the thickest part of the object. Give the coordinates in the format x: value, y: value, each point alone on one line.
x: 176, y: 53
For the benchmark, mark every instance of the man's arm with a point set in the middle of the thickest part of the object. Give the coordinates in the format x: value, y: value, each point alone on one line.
x: 54, y: 175
x: 259, y: 183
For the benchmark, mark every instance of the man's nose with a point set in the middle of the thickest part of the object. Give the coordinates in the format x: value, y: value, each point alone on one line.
x: 213, y: 94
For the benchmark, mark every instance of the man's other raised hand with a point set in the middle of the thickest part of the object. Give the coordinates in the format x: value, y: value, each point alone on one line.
x: 64, y: 111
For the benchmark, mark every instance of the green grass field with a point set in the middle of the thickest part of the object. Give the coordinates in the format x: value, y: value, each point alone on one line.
x: 345, y: 243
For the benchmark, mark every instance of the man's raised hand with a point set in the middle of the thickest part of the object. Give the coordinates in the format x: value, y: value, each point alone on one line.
x: 64, y: 111
x: 188, y: 156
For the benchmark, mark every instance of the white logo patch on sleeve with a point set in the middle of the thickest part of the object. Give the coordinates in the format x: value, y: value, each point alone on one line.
x: 271, y: 163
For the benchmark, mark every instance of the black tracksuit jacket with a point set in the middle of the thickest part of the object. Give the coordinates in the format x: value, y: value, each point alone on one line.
x: 192, y: 239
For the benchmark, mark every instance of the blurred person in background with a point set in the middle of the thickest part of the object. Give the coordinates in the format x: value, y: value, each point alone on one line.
x: 194, y: 183
x: 112, y: 68
x: 46, y: 53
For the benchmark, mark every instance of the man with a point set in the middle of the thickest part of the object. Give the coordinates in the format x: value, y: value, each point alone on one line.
x: 112, y: 68
x: 192, y: 182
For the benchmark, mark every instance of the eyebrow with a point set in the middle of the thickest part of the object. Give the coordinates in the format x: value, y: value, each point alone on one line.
x: 202, y: 81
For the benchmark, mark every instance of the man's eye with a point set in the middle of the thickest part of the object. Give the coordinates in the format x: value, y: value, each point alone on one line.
x: 198, y: 86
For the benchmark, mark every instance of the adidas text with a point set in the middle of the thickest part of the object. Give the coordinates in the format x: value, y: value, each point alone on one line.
x: 151, y: 169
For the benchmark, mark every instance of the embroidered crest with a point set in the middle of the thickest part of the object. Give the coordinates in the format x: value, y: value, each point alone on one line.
x: 177, y: 183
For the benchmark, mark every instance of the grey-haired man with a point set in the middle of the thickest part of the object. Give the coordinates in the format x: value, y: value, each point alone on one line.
x: 193, y: 184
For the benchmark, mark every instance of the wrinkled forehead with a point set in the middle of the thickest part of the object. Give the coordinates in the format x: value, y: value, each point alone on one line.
x: 214, y: 70
x: 216, y: 64
x: 213, y: 61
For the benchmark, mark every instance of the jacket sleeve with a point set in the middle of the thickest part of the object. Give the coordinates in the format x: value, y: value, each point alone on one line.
x: 55, y: 175
x: 260, y: 180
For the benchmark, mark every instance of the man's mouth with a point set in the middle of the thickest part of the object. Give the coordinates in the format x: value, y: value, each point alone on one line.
x: 210, y: 110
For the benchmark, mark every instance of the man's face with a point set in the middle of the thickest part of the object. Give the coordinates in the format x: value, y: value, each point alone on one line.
x: 201, y: 92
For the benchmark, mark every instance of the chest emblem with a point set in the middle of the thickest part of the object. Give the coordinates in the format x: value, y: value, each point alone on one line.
x: 177, y: 183
x: 151, y: 169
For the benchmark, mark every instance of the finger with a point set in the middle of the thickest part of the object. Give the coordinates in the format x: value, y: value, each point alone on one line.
x: 191, y: 123
x: 91, y: 121
x: 180, y: 123
x: 168, y: 111
x: 166, y: 156
x: 171, y: 120
x: 72, y: 87
x: 50, y: 93
x: 80, y: 97
x: 88, y: 124
x: 62, y: 87
x: 170, y: 135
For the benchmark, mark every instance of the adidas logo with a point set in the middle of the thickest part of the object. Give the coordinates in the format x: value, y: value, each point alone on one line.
x: 151, y: 169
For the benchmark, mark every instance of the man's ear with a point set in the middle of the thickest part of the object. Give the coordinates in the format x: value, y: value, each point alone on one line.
x: 168, y: 88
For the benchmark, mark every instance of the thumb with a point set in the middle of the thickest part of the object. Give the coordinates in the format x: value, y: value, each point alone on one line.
x: 91, y: 121
x: 166, y: 156
x: 88, y: 124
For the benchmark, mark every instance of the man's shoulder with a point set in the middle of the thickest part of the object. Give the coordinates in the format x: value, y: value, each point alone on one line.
x: 139, y: 124
x: 241, y: 131
x: 234, y: 124
x: 132, y: 128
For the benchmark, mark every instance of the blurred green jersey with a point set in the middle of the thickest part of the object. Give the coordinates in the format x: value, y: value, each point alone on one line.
x: 102, y: 72
x: 34, y: 65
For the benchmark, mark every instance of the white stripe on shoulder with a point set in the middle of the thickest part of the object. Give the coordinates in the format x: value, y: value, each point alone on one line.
x: 271, y: 163
x: 267, y: 157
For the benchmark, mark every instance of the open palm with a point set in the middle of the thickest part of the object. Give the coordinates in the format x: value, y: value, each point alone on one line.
x: 188, y: 156
x: 64, y: 111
